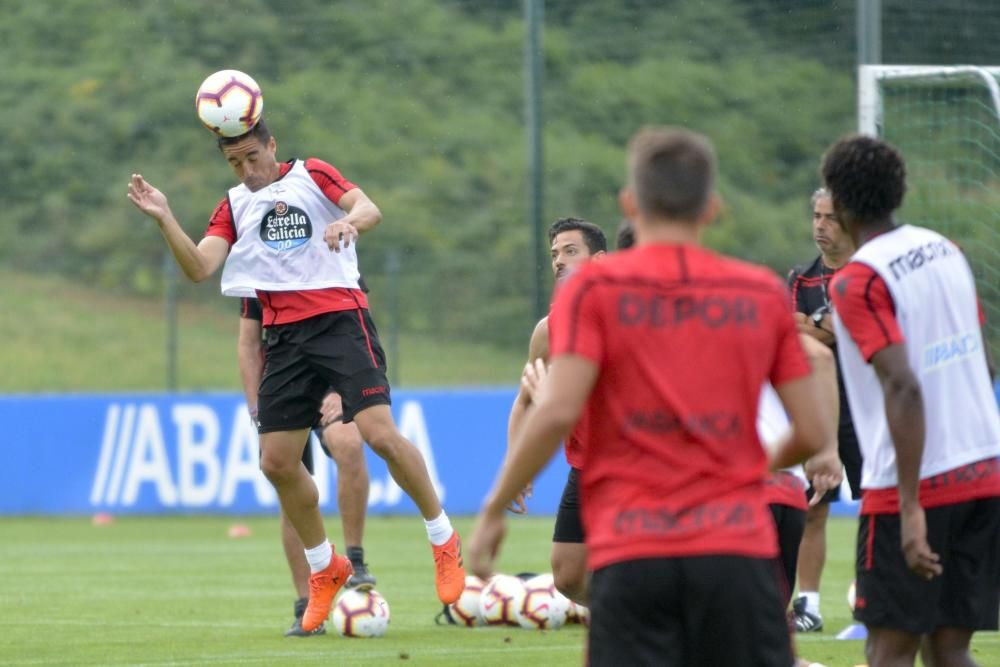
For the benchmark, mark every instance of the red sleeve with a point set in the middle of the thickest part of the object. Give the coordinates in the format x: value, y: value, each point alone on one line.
x: 329, y: 180
x: 791, y: 362
x: 575, y: 322
x: 221, y: 223
x: 863, y: 303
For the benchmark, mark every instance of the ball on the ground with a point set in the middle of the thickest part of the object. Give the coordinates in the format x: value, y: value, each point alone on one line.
x: 229, y: 103
x: 361, y: 614
x: 465, y: 611
x: 544, y: 608
x: 501, y: 600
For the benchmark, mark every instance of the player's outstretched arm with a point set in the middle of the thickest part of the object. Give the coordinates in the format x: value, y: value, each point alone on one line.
x: 904, y: 412
x: 538, y: 349
x: 249, y: 351
x: 556, y: 410
x: 824, y: 470
x: 812, y: 425
x: 196, y: 261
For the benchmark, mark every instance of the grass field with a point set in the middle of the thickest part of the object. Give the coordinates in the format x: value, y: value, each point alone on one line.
x: 54, y: 321
x: 178, y: 591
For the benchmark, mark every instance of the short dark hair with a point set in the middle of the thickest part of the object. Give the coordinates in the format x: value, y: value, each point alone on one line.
x: 259, y: 130
x: 672, y: 172
x: 866, y: 177
x: 593, y: 236
x: 625, y: 237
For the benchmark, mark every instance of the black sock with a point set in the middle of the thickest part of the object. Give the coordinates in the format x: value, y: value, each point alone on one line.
x: 300, y: 607
x: 356, y: 555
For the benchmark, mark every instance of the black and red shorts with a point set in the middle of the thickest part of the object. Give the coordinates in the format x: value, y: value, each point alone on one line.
x: 305, y: 359
x: 966, y: 595
x: 695, y: 610
x: 569, y: 524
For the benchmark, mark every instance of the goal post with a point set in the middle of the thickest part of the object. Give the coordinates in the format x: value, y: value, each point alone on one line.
x: 946, y: 122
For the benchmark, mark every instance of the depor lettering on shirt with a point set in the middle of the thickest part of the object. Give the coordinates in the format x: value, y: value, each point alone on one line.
x: 658, y: 310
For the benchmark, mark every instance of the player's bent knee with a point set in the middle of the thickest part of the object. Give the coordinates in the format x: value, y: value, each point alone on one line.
x: 569, y: 570
x: 277, y: 469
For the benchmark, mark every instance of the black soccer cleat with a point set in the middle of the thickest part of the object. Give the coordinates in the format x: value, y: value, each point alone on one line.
x: 362, y: 579
x: 805, y: 621
x: 296, y: 630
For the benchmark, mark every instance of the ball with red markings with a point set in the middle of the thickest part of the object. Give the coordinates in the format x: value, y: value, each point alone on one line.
x: 465, y: 610
x: 229, y: 103
x: 501, y: 600
x: 361, y: 614
x: 544, y: 608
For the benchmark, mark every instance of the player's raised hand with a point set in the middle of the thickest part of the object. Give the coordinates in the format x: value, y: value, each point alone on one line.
x: 487, y: 536
x: 340, y: 234
x: 533, y: 378
x: 147, y: 199
x: 913, y: 533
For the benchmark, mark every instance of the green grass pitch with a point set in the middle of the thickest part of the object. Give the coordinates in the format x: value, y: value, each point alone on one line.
x: 178, y: 591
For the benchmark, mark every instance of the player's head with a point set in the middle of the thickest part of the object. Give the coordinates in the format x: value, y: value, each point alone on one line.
x: 573, y: 241
x: 625, y: 236
x: 671, y: 177
x: 829, y: 235
x: 866, y: 178
x: 252, y: 156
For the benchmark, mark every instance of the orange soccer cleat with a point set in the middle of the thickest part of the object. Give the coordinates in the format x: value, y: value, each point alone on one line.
x: 449, y: 575
x: 323, y: 587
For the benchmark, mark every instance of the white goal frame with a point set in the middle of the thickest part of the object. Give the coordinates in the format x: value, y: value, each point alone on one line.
x: 870, y: 78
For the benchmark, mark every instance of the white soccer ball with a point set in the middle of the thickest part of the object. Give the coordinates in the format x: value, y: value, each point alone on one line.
x: 501, y: 600
x: 465, y: 610
x: 544, y: 608
x: 229, y: 103
x: 361, y: 614
x: 852, y: 596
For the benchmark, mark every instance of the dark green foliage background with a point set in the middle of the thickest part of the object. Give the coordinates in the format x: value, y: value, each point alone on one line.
x: 421, y: 103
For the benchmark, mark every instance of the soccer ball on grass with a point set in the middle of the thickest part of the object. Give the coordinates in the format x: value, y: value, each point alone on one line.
x: 361, y: 614
x: 465, y: 610
x: 501, y: 600
x: 229, y: 103
x: 544, y: 608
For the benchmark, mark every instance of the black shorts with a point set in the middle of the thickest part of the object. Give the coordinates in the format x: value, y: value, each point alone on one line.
x: 305, y: 359
x: 691, y: 611
x: 849, y: 451
x: 569, y: 526
x: 791, y: 523
x: 967, y: 593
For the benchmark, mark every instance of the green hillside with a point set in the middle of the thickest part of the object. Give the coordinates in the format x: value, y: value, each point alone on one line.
x: 63, y: 336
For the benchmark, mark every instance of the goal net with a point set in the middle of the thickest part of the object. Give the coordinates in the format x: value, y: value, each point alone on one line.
x: 946, y: 122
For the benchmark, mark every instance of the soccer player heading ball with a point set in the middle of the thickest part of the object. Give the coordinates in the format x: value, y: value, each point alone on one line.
x: 287, y: 234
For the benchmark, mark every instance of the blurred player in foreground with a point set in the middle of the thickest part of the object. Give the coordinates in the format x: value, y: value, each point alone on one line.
x: 319, y: 335
x: 573, y: 241
x: 665, y: 347
x: 341, y: 442
x: 911, y: 349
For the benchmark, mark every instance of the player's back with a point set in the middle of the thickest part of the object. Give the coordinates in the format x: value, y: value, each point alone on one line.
x: 684, y: 338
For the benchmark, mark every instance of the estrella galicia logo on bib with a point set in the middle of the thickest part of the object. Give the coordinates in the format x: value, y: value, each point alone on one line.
x: 285, y: 227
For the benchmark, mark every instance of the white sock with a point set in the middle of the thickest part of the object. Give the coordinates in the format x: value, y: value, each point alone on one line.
x: 439, y: 530
x: 319, y: 557
x: 812, y: 601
